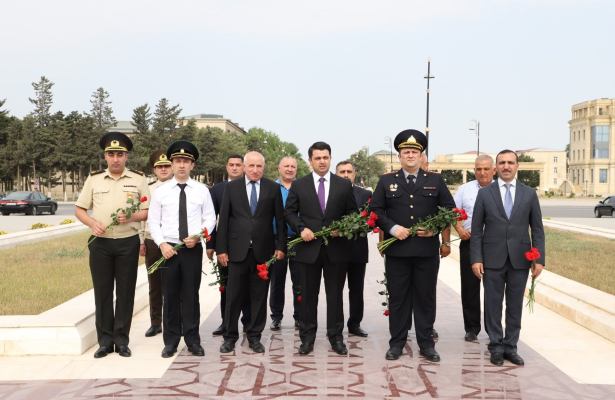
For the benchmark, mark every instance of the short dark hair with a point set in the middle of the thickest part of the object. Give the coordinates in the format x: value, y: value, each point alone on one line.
x: 505, y: 151
x: 318, y: 146
x: 344, y: 163
x: 234, y: 156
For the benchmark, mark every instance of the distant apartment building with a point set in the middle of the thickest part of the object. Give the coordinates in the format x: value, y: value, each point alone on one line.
x: 591, y: 156
x: 213, y: 121
x: 553, y: 174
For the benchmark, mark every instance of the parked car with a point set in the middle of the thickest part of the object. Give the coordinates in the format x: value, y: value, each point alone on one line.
x: 605, y: 207
x: 31, y: 203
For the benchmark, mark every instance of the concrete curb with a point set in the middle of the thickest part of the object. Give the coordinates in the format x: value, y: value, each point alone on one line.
x: 68, y: 329
x: 595, y: 231
x: 584, y: 305
x: 13, y: 239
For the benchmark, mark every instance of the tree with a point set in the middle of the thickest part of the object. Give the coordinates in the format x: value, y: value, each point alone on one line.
x: 43, y: 98
x: 273, y: 148
x: 165, y: 117
x: 367, y: 168
x: 452, y: 176
x: 101, y: 110
x: 142, y: 119
x: 530, y: 178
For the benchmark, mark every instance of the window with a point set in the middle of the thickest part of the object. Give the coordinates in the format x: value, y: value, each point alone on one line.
x: 555, y: 160
x: 583, y: 155
x: 603, y: 175
x: 555, y: 181
x: 555, y: 170
x: 600, y: 141
x: 591, y: 175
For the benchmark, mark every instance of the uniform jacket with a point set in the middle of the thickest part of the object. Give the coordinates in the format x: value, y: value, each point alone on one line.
x: 397, y: 202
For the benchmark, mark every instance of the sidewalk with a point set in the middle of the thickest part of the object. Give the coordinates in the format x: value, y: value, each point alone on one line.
x: 563, y: 361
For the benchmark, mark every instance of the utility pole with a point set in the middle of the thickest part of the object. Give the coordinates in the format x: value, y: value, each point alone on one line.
x: 428, y: 77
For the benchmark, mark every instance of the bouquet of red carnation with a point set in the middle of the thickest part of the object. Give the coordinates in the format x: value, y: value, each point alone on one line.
x: 132, y: 206
x: 203, y: 235
x: 262, y: 270
x: 350, y: 226
x: 532, y: 255
x: 435, y: 223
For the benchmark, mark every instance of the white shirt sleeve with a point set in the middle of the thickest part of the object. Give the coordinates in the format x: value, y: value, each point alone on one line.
x: 154, y: 217
x: 208, y: 212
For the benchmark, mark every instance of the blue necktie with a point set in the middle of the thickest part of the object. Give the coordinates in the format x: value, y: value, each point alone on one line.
x: 508, y: 202
x: 253, y: 199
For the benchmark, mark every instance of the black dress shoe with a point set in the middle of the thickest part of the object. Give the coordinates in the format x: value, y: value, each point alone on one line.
x: 514, y: 358
x: 219, y: 330
x: 123, y: 350
x: 497, y: 359
x: 227, y: 347
x: 357, y: 331
x: 196, y: 350
x: 257, y: 346
x: 339, y: 347
x: 306, y: 348
x: 275, y: 325
x: 168, y: 351
x: 153, y: 330
x: 103, y: 351
x: 470, y: 337
x: 434, y: 334
x: 393, y: 353
x: 430, y: 354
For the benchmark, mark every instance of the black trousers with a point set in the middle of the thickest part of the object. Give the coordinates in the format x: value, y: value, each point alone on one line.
x: 412, y: 290
x: 470, y: 290
x: 113, y: 263
x: 335, y: 278
x: 152, y: 254
x: 244, y: 286
x: 245, y: 309
x: 497, y: 282
x: 277, y: 289
x: 356, y: 283
x: 181, y: 281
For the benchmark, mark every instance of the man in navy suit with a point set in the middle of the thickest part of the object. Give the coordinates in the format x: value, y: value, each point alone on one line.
x: 360, y: 255
x: 315, y: 201
x: 504, y: 213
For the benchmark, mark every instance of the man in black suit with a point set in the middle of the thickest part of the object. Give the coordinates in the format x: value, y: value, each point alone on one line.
x: 504, y: 213
x: 234, y: 170
x: 401, y: 200
x: 360, y: 255
x: 314, y: 201
x: 246, y: 238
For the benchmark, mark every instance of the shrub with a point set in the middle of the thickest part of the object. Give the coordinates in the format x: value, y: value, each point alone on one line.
x: 39, y: 225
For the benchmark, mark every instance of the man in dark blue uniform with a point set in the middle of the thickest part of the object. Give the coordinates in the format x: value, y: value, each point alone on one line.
x: 401, y: 200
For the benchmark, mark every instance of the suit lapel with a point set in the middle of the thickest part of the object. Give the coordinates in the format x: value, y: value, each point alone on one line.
x: 332, y: 192
x: 246, y: 198
x: 519, y: 198
x: 421, y: 177
x: 402, y: 183
x: 313, y: 191
x: 262, y: 192
x: 494, y: 189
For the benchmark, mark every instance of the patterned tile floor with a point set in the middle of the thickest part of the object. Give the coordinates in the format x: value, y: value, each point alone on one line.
x: 464, y: 373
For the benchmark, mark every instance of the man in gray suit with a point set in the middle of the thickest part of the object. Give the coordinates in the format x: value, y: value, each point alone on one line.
x: 504, y: 213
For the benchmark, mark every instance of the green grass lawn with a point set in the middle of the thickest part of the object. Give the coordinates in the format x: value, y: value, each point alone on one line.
x: 583, y: 258
x: 38, y: 276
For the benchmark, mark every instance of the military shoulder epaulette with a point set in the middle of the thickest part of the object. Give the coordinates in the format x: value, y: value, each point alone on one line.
x: 136, y: 172
x: 151, y: 183
x: 97, y: 172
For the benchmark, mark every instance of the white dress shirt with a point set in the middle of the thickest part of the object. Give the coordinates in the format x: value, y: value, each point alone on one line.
x: 465, y: 197
x: 327, y: 183
x: 513, y: 189
x: 249, y: 188
x: 163, y: 217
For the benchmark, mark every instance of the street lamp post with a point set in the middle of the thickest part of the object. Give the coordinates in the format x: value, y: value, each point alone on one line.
x: 428, y: 77
x: 476, y: 132
x: 389, y: 141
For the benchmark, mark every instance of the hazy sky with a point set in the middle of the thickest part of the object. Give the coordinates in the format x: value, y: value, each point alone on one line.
x: 348, y: 72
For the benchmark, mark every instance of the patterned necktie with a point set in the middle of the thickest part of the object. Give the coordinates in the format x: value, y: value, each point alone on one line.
x: 253, y: 199
x: 321, y: 194
x: 411, y: 179
x: 508, y: 201
x: 183, y: 213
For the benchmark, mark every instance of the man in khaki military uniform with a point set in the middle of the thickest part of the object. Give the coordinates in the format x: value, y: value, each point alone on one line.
x: 114, y: 253
x: 161, y: 166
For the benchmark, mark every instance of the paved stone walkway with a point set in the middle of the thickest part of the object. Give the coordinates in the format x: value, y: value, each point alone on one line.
x: 464, y: 373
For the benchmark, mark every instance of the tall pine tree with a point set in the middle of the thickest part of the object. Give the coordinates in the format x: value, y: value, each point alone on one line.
x: 101, y: 110
x: 43, y: 98
x: 142, y: 119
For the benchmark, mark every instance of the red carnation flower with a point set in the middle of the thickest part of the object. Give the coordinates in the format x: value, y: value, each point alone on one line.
x: 386, y: 313
x: 371, y: 223
x: 373, y: 215
x: 299, y: 299
x: 206, y: 235
x: 221, y: 289
x: 261, y: 267
x: 264, y: 275
x: 533, y: 254
x: 364, y: 214
x: 143, y: 199
x: 376, y: 230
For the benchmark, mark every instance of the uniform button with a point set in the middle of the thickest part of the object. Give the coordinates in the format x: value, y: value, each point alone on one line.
x: 411, y: 196
x: 412, y: 217
x: 411, y: 206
